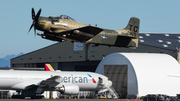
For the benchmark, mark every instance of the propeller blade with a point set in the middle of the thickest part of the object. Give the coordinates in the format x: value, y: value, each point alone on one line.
x: 31, y: 27
x: 33, y: 14
x: 34, y: 31
x: 35, y: 19
x: 37, y: 15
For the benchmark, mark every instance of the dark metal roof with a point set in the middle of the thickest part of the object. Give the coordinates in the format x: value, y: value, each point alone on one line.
x: 22, y: 68
x: 161, y: 40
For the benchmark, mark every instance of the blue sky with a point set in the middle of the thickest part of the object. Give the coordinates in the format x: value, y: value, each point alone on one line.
x: 162, y: 16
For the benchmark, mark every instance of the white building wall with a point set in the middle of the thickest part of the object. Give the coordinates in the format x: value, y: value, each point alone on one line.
x: 119, y: 59
x: 148, y: 73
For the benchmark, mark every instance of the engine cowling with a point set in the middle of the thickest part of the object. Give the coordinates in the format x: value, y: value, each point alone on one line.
x: 70, y: 89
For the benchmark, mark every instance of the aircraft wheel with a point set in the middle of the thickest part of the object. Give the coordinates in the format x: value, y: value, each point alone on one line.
x: 109, y: 96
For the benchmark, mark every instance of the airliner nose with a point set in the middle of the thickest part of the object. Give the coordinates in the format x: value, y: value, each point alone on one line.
x: 109, y: 83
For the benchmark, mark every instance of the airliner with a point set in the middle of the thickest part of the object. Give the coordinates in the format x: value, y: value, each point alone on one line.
x: 31, y: 83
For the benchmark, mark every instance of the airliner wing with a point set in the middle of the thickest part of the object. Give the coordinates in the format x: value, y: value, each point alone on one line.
x: 50, y: 82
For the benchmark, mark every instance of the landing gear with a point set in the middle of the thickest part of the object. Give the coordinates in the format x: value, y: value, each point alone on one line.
x: 28, y: 93
x: 109, y: 95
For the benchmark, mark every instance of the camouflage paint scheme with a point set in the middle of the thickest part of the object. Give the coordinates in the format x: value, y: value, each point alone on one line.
x: 65, y: 28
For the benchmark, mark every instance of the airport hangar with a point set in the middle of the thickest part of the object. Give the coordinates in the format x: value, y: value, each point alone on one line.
x: 67, y: 56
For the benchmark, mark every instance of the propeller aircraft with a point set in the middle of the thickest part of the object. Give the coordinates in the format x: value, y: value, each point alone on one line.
x: 66, y: 28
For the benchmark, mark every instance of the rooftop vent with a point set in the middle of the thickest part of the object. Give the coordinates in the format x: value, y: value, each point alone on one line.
x: 178, y: 40
x: 166, y: 34
x: 147, y: 34
x: 165, y: 45
x: 140, y: 37
x: 168, y: 42
x: 160, y: 40
x: 178, y: 37
x: 141, y: 40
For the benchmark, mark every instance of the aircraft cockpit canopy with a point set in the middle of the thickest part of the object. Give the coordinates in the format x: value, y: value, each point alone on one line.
x: 65, y: 17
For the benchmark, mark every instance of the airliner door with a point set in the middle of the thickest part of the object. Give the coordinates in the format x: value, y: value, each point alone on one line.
x: 100, y: 80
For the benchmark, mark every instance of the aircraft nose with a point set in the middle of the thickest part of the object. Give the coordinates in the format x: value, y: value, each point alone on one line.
x: 109, y: 83
x: 43, y: 24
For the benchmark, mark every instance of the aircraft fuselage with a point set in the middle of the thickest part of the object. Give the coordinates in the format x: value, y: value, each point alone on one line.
x: 19, y: 80
x: 56, y: 25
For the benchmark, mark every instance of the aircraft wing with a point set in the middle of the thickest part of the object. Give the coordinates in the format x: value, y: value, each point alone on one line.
x: 88, y: 29
x: 80, y: 34
x: 50, y: 82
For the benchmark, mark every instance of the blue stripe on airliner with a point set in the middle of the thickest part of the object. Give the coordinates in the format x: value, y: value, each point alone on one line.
x: 89, y: 75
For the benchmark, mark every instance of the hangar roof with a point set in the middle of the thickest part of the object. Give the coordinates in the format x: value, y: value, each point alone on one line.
x: 161, y: 40
x: 67, y: 52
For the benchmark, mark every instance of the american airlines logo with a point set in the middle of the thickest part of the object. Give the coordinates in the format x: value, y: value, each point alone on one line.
x: 94, y: 81
x: 75, y: 79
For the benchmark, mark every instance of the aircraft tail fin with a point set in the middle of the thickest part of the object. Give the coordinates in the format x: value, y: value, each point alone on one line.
x: 48, y: 67
x: 133, y: 27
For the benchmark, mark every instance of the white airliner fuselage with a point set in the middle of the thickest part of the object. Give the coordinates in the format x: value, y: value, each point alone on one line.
x: 47, y: 80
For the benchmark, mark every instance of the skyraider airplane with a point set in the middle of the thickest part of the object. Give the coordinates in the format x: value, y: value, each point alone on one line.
x: 64, y: 27
x: 36, y: 82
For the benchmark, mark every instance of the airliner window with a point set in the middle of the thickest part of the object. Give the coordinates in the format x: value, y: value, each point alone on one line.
x: 65, y: 17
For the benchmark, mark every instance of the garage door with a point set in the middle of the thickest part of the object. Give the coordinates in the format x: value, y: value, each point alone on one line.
x: 118, y: 75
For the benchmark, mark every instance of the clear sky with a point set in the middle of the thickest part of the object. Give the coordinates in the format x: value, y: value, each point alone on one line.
x: 162, y: 16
